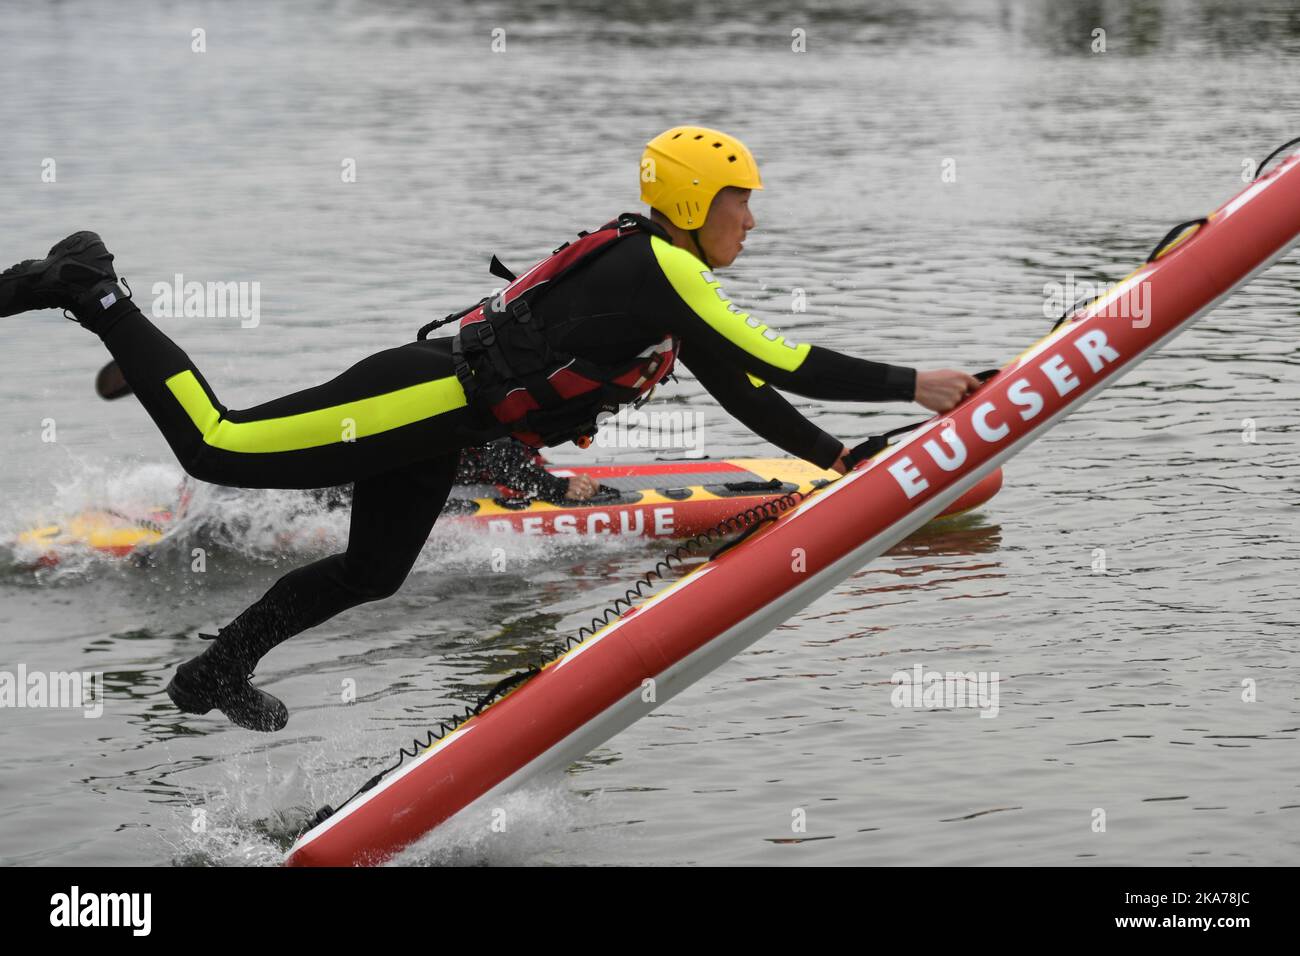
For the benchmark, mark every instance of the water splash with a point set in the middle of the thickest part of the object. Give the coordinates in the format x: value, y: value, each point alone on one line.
x: 99, y: 511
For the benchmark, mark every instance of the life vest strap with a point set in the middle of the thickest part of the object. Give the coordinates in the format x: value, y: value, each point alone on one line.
x: 498, y: 269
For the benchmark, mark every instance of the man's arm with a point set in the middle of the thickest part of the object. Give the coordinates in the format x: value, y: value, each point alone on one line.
x: 691, y: 301
x: 762, y: 409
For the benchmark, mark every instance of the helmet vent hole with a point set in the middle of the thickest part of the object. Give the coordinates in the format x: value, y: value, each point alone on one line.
x: 731, y: 159
x: 699, y: 136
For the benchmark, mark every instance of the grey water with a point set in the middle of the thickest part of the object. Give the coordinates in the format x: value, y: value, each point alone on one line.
x: 931, y: 167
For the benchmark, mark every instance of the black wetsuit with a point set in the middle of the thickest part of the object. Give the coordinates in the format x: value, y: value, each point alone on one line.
x: 395, y: 423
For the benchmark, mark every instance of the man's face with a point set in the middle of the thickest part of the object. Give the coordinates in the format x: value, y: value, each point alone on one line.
x: 724, y: 230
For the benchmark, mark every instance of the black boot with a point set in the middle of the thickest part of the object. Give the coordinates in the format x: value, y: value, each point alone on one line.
x: 76, y: 276
x: 218, y: 678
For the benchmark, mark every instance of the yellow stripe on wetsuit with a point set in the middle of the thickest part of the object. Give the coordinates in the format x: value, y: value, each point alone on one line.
x: 703, y: 293
x: 322, y: 426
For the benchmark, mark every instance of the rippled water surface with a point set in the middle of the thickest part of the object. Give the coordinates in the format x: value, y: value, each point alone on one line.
x: 1120, y: 691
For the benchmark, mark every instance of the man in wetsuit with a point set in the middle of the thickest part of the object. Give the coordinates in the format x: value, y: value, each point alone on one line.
x: 394, y: 424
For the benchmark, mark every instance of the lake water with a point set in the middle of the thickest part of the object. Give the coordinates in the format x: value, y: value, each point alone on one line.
x: 1120, y: 691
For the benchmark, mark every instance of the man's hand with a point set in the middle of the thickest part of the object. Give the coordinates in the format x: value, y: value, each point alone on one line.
x: 839, y: 462
x: 580, y: 488
x: 940, y: 390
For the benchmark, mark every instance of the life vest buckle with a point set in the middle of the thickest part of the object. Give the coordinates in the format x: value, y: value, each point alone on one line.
x: 465, y: 375
x: 484, y: 333
x: 523, y: 312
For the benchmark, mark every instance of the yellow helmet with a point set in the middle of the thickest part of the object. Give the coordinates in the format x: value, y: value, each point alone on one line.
x: 683, y: 169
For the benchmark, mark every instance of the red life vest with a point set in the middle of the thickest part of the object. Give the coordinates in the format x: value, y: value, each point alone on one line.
x: 507, y: 363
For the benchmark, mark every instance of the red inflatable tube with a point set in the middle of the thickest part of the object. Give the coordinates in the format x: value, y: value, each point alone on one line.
x: 668, y: 641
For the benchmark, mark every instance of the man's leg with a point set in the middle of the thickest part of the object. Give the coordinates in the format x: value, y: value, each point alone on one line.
x: 393, y: 407
x: 400, y: 405
x: 392, y: 514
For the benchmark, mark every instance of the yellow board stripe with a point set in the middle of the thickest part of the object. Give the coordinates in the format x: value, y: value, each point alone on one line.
x: 323, y: 426
x: 699, y: 290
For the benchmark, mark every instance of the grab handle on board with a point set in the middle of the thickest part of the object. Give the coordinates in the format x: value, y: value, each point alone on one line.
x: 878, y: 443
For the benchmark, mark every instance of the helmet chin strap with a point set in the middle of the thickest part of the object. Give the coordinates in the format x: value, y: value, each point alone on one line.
x: 695, y: 238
